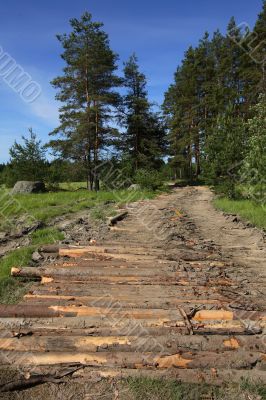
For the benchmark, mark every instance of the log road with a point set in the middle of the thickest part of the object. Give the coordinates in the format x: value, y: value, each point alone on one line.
x: 154, y: 298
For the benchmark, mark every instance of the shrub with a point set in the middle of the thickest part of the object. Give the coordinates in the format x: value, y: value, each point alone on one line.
x: 149, y: 179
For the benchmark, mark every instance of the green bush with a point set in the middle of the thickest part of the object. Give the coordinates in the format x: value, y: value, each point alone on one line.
x: 149, y: 179
x: 228, y: 188
x: 9, y: 177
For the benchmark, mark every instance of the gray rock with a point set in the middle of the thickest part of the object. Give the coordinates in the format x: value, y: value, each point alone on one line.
x: 135, y: 186
x: 3, y: 235
x: 36, y: 256
x: 28, y: 187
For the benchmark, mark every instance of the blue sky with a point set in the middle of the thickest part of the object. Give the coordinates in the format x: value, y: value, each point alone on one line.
x: 159, y: 32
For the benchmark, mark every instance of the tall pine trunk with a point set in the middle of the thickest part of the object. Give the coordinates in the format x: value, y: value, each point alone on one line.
x: 96, y: 149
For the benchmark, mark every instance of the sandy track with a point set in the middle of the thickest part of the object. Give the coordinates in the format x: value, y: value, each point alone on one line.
x: 175, y: 290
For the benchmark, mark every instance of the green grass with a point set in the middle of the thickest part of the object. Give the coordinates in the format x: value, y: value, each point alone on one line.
x: 17, y: 258
x: 157, y: 389
x: 246, y: 209
x: 46, y: 206
x: 102, y: 212
x: 46, y: 236
x: 12, y: 289
x: 72, y: 185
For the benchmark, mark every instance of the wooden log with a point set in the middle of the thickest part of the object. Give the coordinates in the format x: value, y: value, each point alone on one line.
x: 48, y: 275
x: 234, y: 360
x: 23, y: 384
x: 85, y: 328
x: 206, y: 315
x: 87, y: 252
x: 35, y: 380
x: 91, y: 272
x: 139, y: 250
x: 120, y: 301
x: 49, y: 249
x: 32, y: 311
x: 124, y: 326
x: 125, y: 280
x: 119, y: 217
x: 82, y: 289
x: 109, y: 267
x: 105, y: 262
x: 169, y: 344
x: 213, y: 315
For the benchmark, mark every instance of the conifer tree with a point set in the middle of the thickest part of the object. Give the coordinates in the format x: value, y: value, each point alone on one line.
x: 214, y: 90
x: 86, y: 91
x: 257, y: 49
x: 143, y: 140
x: 27, y: 160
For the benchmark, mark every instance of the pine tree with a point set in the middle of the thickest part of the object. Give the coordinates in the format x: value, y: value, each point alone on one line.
x: 182, y: 109
x: 27, y: 160
x: 257, y: 48
x: 86, y: 89
x: 143, y: 139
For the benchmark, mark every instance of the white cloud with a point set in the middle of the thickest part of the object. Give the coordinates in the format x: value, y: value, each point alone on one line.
x: 46, y: 108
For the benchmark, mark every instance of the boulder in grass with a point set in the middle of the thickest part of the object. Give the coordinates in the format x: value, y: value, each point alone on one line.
x: 135, y: 186
x: 27, y: 187
x: 36, y: 256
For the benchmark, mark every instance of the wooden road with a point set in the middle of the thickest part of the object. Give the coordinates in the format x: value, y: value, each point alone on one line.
x: 127, y: 306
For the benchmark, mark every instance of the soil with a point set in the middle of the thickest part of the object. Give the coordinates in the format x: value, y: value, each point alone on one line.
x: 243, y: 244
x: 78, y: 228
x: 184, y: 230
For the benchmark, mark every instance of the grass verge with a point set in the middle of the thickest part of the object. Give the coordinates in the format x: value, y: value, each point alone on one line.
x: 248, y: 210
x: 157, y: 389
x: 46, y: 206
x: 12, y: 289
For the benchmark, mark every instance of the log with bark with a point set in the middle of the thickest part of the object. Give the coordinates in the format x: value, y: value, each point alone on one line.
x: 119, y: 217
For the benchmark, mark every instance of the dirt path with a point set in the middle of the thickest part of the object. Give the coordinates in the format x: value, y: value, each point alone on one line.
x: 174, y: 290
x: 245, y: 246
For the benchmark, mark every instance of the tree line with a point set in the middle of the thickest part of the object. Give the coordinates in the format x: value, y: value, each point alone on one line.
x: 211, y: 125
x: 216, y: 100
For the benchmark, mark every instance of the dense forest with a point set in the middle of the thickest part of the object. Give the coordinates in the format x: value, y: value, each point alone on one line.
x: 210, y: 127
x: 215, y: 109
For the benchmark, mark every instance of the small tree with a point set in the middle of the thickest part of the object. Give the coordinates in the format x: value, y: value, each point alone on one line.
x: 27, y: 160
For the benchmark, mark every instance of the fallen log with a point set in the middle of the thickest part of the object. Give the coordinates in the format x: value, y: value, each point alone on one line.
x: 49, y: 249
x: 35, y: 311
x: 169, y: 344
x: 98, y: 253
x: 122, y: 326
x: 119, y: 301
x: 23, y: 384
x: 119, y: 217
x: 81, y: 289
x: 123, y: 280
x: 90, y: 272
x: 205, y: 315
x: 187, y: 360
x: 32, y: 381
x: 49, y: 275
